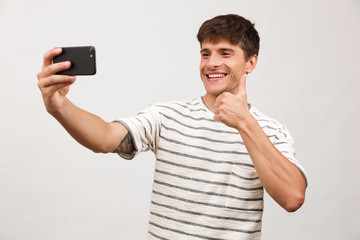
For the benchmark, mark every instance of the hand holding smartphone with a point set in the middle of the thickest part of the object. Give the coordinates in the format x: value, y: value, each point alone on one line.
x: 82, y: 60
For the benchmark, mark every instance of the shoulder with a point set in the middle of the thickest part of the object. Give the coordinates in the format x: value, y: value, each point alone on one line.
x: 270, y: 126
x: 190, y: 111
x: 173, y: 109
x: 262, y: 117
x: 182, y: 106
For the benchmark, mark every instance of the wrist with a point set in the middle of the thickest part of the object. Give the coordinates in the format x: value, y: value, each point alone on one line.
x: 247, y: 125
x: 60, y: 111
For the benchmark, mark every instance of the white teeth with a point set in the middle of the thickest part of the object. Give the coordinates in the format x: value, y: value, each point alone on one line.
x: 216, y: 75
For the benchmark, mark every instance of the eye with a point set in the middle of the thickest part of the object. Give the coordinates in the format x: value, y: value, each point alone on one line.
x: 205, y: 54
x: 225, y: 54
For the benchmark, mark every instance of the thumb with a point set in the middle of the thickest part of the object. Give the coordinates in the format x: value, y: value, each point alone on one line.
x: 242, y: 87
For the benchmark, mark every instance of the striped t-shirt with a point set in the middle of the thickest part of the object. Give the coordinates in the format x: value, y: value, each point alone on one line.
x: 205, y: 184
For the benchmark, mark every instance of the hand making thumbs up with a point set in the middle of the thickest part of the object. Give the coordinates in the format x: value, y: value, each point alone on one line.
x: 232, y: 109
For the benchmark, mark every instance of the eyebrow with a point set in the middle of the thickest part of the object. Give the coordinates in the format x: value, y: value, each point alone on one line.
x: 226, y: 50
x: 220, y: 50
x: 204, y: 50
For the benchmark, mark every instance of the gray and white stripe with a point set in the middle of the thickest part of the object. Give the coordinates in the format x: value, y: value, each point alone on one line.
x: 205, y: 185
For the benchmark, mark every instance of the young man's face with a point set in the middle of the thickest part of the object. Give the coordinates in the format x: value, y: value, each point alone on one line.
x: 221, y: 67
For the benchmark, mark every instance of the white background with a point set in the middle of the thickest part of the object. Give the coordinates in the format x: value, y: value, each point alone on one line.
x: 307, y: 78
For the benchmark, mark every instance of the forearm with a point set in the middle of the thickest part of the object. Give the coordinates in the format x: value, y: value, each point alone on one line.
x: 280, y: 177
x: 88, y: 129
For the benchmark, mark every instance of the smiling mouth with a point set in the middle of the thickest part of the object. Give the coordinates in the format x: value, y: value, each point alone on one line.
x: 215, y: 77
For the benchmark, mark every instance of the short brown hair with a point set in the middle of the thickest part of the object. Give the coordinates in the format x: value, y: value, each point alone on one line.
x: 235, y: 29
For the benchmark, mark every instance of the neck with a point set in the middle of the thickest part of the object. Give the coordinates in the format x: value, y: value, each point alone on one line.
x: 209, y: 101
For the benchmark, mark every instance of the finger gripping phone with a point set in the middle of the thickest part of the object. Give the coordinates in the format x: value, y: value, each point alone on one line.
x: 82, y: 60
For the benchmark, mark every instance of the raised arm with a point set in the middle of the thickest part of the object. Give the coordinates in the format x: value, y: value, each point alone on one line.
x: 88, y: 129
x: 280, y: 178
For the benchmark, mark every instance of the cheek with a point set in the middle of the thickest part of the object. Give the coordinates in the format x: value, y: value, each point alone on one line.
x: 202, y: 66
x: 236, y: 70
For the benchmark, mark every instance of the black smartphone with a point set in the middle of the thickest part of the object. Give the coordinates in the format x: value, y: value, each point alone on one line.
x: 82, y: 60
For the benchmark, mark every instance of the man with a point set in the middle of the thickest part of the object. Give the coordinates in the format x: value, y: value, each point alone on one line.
x: 214, y: 154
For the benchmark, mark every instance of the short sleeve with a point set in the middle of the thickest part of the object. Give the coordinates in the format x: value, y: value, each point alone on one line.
x: 285, y: 143
x: 144, y: 129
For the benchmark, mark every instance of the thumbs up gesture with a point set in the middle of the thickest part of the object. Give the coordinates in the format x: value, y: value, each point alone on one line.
x: 232, y: 109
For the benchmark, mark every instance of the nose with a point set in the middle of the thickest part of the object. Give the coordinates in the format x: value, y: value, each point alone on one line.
x: 214, y: 61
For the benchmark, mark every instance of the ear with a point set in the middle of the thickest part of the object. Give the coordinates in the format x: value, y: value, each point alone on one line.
x: 251, y: 63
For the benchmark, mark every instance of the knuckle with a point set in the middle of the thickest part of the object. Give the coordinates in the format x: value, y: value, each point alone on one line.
x: 53, y: 68
x: 221, y: 117
x: 47, y: 55
x: 38, y: 75
x: 60, y: 66
x: 42, y: 89
x: 45, y: 71
x: 52, y: 79
x: 220, y: 96
x: 39, y: 85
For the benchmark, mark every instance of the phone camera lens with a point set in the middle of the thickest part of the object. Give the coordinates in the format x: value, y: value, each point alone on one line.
x: 91, y: 49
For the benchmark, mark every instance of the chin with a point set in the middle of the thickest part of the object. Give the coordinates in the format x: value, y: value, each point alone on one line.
x: 214, y: 89
x: 214, y: 92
